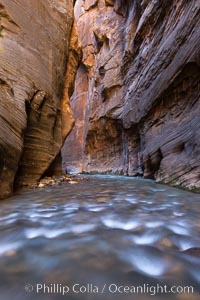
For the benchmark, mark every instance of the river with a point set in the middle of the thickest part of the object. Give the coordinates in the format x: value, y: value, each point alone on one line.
x: 101, y: 237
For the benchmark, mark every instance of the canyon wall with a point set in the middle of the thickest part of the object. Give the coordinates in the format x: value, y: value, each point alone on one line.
x: 136, y: 101
x: 34, y: 44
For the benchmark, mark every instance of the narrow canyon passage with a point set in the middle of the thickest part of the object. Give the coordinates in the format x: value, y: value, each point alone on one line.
x: 136, y: 100
x: 112, y: 231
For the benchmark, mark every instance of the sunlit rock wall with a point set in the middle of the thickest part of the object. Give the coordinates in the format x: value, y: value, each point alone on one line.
x: 34, y: 42
x: 142, y: 112
x: 98, y: 98
x: 76, y: 138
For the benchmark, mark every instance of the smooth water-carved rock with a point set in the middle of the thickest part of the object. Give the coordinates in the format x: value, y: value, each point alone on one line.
x: 142, y: 108
x: 163, y: 92
x: 34, y: 42
x: 76, y: 138
x: 94, y: 103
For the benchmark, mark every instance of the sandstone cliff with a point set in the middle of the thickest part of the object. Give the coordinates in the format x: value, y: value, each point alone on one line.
x: 34, y: 42
x: 136, y: 99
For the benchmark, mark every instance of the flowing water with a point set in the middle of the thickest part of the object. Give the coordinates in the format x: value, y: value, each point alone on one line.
x: 105, y: 237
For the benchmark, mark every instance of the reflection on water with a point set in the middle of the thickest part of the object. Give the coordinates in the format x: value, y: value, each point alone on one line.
x: 104, y: 231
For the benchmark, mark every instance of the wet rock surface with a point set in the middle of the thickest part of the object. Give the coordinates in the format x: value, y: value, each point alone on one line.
x: 102, y: 230
x: 34, y: 42
x: 57, y: 180
x: 140, y: 111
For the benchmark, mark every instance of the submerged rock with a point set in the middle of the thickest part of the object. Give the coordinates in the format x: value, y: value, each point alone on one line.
x: 66, y: 235
x: 192, y: 251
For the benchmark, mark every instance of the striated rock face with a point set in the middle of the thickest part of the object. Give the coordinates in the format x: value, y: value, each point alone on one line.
x: 162, y: 98
x: 34, y: 42
x: 136, y: 100
x: 73, y: 158
x: 74, y: 58
x: 99, y: 92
